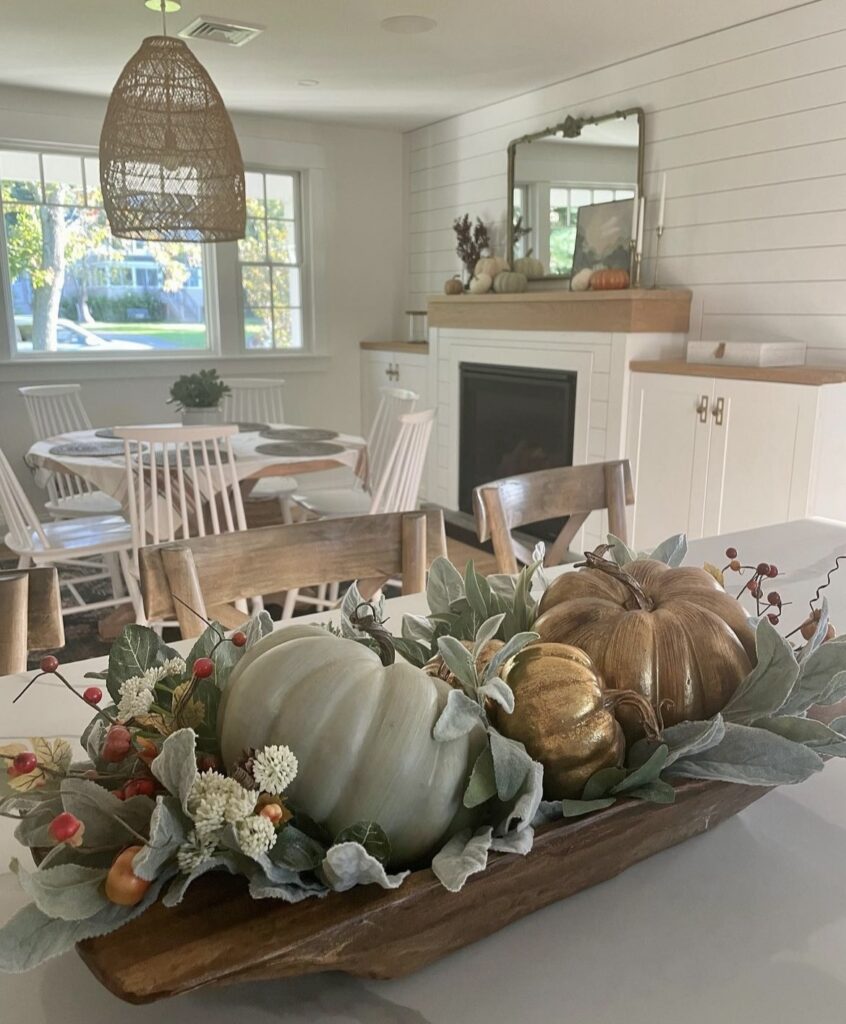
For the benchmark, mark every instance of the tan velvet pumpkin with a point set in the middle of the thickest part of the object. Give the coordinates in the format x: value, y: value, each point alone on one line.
x: 671, y: 634
x: 609, y: 280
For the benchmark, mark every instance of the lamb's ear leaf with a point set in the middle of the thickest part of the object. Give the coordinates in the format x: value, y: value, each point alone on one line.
x: 671, y: 551
x: 465, y: 854
x: 485, y: 633
x: 482, y: 784
x: 620, y: 551
x: 819, y: 634
x: 510, y: 648
x: 458, y: 660
x: 770, y: 684
x: 498, y: 690
x: 511, y: 764
x: 460, y: 715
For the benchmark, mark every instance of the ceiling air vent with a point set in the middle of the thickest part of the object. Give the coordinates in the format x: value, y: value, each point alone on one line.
x: 218, y: 31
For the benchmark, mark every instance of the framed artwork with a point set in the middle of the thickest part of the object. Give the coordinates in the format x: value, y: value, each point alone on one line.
x: 603, y: 233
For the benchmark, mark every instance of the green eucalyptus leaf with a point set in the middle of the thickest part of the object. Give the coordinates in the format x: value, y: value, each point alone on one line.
x: 752, y: 757
x: 482, y: 784
x: 459, y: 661
x: 300, y: 852
x: 70, y: 892
x: 444, y: 585
x: 370, y: 836
x: 671, y: 551
x: 602, y: 782
x: 135, y: 650
x: 646, y: 773
x: 769, y: 685
x: 460, y: 715
x: 176, y: 764
x: 657, y: 792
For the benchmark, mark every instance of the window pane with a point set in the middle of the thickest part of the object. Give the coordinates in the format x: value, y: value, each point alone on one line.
x: 63, y: 180
x: 258, y: 328
x: 580, y: 197
x: 255, y: 194
x: 286, y: 287
x: 282, y: 241
x: 288, y: 328
x: 256, y: 284
x: 21, y: 176
x: 252, y: 248
x: 92, y: 181
x: 603, y: 195
x: 280, y: 196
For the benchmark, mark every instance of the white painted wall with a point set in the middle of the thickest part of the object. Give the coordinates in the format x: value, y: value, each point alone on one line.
x: 358, y: 253
x: 748, y: 125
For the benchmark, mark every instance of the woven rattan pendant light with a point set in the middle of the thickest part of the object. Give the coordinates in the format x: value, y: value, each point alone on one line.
x: 170, y: 164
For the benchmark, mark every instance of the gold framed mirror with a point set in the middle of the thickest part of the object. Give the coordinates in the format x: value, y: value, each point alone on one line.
x: 553, y: 174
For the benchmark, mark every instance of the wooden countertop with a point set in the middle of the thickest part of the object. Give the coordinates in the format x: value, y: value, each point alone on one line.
x: 419, y: 348
x: 812, y: 375
x: 627, y: 310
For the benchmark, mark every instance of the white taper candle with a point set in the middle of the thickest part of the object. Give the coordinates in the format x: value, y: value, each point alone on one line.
x: 663, y: 200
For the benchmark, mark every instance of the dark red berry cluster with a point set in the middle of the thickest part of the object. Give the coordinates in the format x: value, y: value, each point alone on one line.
x: 766, y: 604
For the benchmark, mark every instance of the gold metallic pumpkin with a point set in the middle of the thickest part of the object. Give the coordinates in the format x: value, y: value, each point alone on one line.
x: 672, y: 634
x: 560, y: 716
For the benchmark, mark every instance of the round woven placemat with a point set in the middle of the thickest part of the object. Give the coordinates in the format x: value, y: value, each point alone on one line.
x: 299, y: 434
x: 299, y: 449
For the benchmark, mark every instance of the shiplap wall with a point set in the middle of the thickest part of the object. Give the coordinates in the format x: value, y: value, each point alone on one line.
x: 750, y: 125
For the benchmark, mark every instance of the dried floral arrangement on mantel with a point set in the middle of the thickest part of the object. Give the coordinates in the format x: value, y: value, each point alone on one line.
x: 308, y: 761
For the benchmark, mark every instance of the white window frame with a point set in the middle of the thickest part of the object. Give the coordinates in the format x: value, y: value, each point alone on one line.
x: 303, y: 264
x: 221, y: 278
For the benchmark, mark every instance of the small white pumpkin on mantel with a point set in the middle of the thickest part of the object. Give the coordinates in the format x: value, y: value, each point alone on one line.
x: 491, y: 265
x: 580, y: 281
x: 480, y: 284
x: 361, y: 732
x: 531, y: 267
x: 508, y: 282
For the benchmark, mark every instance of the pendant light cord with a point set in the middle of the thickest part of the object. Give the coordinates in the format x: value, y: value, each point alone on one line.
x: 164, y: 19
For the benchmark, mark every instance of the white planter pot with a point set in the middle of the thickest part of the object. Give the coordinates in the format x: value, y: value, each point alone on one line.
x: 202, y: 417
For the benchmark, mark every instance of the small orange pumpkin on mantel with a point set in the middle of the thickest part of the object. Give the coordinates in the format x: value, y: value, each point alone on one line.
x: 671, y: 634
x: 607, y: 280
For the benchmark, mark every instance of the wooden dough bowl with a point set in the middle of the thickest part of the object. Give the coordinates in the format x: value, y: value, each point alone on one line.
x: 219, y: 935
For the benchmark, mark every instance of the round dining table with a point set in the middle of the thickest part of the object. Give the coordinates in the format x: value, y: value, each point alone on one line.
x: 107, y: 472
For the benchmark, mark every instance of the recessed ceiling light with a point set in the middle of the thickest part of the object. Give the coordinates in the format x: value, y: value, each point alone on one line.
x: 408, y: 24
x: 170, y: 6
x: 308, y: 83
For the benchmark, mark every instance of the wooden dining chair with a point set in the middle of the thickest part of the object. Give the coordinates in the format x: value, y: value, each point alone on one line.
x: 181, y: 482
x: 70, y: 544
x: 193, y: 578
x: 30, y: 616
x: 573, y: 491
x: 53, y: 410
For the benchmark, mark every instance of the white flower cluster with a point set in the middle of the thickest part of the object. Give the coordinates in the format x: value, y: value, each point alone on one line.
x: 215, y: 801
x: 256, y: 835
x: 136, y: 693
x: 274, y: 768
x: 194, y: 852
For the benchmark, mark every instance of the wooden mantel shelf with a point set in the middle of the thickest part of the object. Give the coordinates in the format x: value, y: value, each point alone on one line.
x: 815, y: 376
x: 419, y: 348
x: 626, y: 311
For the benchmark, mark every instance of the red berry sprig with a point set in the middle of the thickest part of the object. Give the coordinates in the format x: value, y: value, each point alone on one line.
x: 772, y: 604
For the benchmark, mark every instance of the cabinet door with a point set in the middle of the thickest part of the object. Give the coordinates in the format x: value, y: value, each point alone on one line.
x: 761, y: 445
x: 376, y: 372
x: 668, y: 449
x: 412, y: 373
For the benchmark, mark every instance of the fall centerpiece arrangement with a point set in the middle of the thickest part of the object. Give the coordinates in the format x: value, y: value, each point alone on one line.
x: 310, y: 760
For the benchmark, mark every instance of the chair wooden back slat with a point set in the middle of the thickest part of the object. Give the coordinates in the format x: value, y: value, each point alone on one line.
x: 210, y: 571
x: 56, y: 409
x: 254, y: 400
x: 30, y: 616
x: 574, y: 491
x: 382, y: 436
x: 179, y: 480
x: 16, y: 508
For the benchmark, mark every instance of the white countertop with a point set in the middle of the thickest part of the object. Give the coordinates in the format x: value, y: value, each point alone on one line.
x: 745, y: 925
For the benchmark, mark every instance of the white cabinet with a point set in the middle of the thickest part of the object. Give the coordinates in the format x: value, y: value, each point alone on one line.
x: 397, y: 369
x: 715, y: 455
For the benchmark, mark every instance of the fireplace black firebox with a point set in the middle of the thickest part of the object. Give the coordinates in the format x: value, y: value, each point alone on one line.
x: 514, y: 420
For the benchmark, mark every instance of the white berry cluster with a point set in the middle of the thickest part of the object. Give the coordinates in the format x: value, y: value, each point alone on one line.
x: 216, y: 800
x: 274, y: 768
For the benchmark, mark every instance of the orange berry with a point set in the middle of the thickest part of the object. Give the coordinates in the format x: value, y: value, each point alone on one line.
x: 123, y: 886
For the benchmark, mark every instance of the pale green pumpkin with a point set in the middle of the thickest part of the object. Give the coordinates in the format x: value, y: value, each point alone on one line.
x: 361, y: 732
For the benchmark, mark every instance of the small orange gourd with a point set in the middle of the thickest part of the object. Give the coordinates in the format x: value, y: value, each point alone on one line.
x: 609, y: 280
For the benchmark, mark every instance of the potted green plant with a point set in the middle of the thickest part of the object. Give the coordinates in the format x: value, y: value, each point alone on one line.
x: 197, y: 396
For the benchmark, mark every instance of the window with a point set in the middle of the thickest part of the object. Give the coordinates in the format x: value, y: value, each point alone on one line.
x: 270, y: 259
x: 564, y: 205
x: 74, y: 287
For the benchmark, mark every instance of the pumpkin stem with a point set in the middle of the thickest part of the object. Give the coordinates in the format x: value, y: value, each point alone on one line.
x: 364, y: 617
x: 595, y: 560
x: 614, y: 699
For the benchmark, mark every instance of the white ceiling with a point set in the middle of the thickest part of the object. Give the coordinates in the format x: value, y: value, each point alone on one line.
x: 481, y: 51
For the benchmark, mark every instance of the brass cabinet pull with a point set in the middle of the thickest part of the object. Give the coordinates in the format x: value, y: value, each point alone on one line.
x: 718, y: 411
x: 702, y: 409
x: 392, y: 372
